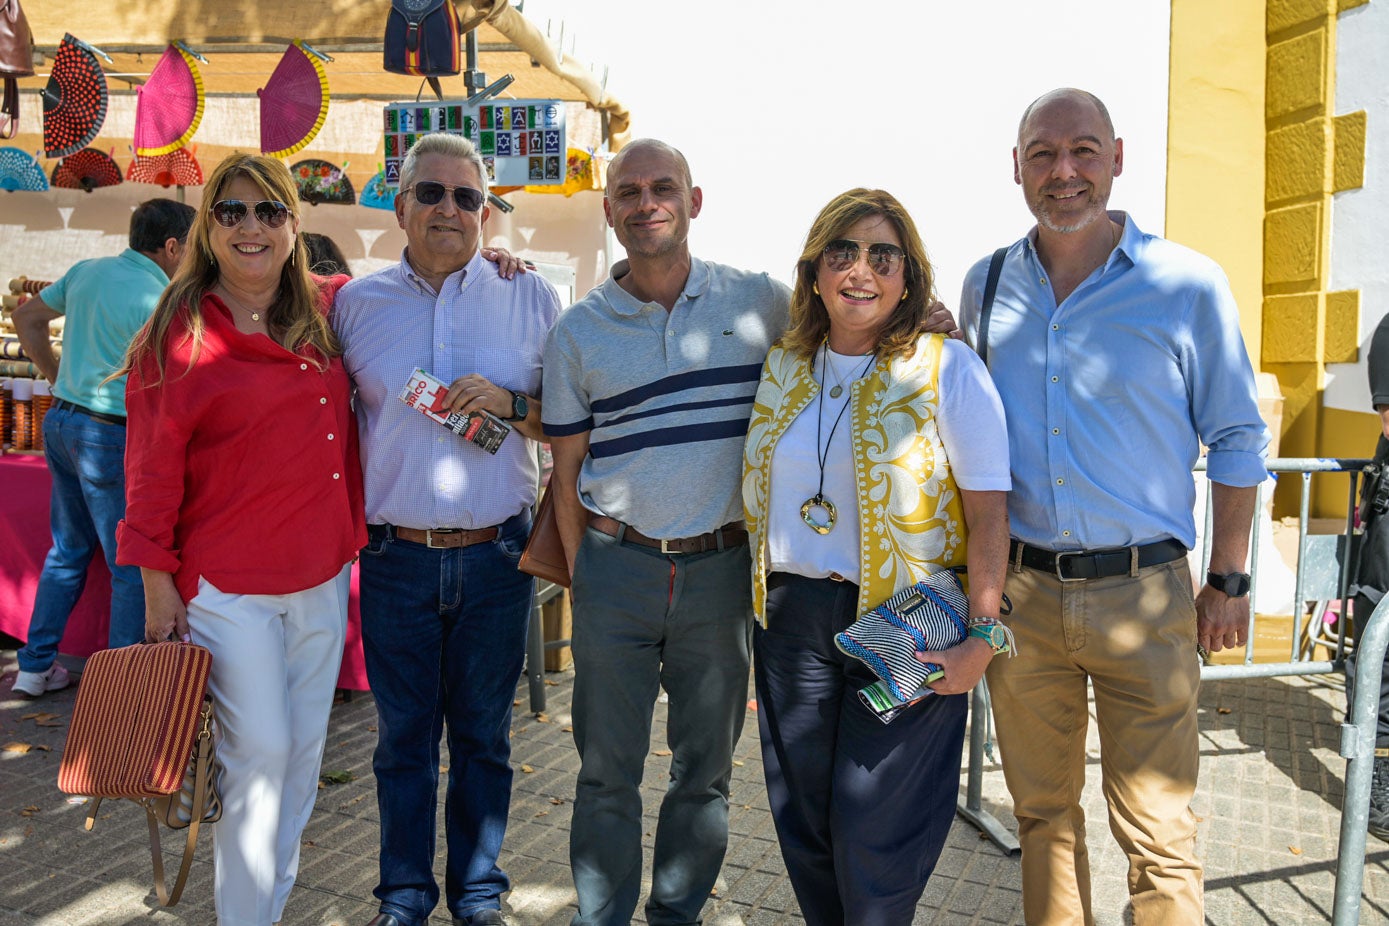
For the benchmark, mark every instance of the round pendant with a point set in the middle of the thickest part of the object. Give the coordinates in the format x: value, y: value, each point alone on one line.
x: 836, y: 392
x: 821, y: 521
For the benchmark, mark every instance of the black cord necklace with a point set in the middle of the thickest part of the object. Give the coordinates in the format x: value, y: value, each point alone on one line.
x: 826, y: 521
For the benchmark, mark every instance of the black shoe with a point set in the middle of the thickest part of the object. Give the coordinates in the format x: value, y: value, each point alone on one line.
x: 480, y: 918
x: 1379, y: 799
x: 385, y: 919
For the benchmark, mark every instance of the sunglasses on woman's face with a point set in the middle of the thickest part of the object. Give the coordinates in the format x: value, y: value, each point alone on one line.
x: 431, y: 193
x: 230, y: 213
x: 883, y: 259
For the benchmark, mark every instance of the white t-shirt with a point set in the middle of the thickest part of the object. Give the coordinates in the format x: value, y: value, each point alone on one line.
x: 972, y: 429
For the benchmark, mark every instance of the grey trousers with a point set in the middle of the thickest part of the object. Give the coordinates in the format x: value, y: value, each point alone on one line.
x: 644, y: 621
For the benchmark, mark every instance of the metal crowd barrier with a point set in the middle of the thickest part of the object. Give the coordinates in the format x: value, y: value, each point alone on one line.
x: 1325, y: 573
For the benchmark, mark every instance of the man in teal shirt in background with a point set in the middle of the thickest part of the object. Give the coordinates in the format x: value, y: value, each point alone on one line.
x: 104, y: 301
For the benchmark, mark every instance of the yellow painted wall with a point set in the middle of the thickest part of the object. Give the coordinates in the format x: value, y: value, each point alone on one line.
x: 1215, y: 144
x: 1256, y: 153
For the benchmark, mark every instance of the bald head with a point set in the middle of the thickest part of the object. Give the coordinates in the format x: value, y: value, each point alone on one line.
x: 646, y: 146
x: 1070, y: 94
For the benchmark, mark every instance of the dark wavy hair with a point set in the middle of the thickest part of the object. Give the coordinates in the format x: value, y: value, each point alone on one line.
x: 810, y: 322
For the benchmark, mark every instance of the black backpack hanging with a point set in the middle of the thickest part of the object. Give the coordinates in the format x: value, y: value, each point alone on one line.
x: 422, y: 39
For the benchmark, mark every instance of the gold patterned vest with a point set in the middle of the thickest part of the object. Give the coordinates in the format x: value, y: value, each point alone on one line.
x: 911, y: 522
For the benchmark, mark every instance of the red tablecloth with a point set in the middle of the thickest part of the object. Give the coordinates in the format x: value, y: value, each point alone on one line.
x: 24, y: 541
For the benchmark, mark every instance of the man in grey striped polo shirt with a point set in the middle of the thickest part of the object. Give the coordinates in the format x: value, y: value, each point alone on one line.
x: 648, y: 383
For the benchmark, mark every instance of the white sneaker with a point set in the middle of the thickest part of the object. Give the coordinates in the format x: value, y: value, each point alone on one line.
x: 34, y: 684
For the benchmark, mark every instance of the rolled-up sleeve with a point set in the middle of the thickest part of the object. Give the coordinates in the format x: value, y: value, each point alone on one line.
x: 155, y: 468
x: 1223, y: 395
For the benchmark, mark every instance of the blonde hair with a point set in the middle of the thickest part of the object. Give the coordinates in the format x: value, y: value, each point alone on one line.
x: 810, y: 321
x: 294, y: 318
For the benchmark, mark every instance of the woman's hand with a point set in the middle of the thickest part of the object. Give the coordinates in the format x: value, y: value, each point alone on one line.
x: 964, y: 665
x: 165, y: 614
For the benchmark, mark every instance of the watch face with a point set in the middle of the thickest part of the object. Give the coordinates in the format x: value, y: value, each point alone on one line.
x: 520, y: 408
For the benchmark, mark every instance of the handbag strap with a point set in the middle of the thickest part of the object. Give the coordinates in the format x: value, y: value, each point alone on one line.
x: 9, y: 110
x: 987, y: 307
x: 168, y: 898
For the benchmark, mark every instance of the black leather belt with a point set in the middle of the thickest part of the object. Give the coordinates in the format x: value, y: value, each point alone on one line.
x: 1095, y: 564
x: 118, y: 420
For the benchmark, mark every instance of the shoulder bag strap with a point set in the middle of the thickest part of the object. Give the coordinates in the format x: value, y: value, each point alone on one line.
x: 986, y: 309
x: 168, y: 898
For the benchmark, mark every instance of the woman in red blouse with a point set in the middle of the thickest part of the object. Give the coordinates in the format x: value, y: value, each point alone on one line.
x: 244, y: 509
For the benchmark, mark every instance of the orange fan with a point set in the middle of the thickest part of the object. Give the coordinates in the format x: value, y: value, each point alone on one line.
x: 86, y: 170
x: 294, y: 103
x: 169, y: 107
x: 177, y: 168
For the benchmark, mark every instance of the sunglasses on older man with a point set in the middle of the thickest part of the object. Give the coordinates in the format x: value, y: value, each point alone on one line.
x: 431, y: 193
x: 883, y: 259
x: 230, y: 213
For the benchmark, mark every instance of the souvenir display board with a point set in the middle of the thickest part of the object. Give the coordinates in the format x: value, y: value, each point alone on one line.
x: 522, y: 142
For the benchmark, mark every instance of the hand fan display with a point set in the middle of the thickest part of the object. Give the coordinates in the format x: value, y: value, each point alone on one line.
x: 86, y: 170
x: 322, y: 182
x: 376, y: 194
x: 177, y: 168
x: 169, y: 106
x: 294, y: 103
x: 74, y: 102
x: 19, y: 171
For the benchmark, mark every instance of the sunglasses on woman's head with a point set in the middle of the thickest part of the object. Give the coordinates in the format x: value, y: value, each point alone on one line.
x: 883, y: 259
x: 431, y: 193
x: 230, y: 213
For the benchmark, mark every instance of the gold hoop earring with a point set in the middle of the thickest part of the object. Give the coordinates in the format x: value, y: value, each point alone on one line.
x: 815, y: 287
x: 906, y: 291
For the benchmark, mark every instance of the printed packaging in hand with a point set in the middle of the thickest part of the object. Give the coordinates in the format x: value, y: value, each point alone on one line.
x: 426, y: 393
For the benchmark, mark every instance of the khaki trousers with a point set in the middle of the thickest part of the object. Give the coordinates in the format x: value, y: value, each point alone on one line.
x: 1134, y: 639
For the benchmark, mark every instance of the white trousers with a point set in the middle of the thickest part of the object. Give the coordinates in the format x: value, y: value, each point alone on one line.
x: 275, y: 663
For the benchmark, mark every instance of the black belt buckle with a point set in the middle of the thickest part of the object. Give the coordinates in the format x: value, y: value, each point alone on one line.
x: 1060, y: 571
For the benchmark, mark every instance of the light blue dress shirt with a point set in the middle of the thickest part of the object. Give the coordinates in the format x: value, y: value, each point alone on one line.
x: 418, y: 474
x: 1111, y: 394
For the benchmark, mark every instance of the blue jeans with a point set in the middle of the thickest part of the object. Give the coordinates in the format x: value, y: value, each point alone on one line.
x: 444, y: 632
x: 86, y: 458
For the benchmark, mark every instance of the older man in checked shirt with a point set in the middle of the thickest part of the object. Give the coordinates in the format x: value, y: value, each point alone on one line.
x: 444, y: 609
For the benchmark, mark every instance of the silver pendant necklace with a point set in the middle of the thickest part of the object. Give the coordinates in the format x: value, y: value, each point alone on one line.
x: 228, y: 297
x: 818, y: 512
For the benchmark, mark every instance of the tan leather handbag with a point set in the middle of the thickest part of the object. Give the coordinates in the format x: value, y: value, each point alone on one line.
x: 16, y: 60
x: 142, y: 730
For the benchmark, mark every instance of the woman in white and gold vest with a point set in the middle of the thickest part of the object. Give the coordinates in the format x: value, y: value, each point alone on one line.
x: 876, y: 455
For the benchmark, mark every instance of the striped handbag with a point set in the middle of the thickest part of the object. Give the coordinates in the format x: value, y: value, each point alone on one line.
x: 933, y: 614
x: 142, y: 730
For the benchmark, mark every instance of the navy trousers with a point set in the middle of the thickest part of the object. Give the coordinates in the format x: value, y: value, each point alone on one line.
x: 862, y: 808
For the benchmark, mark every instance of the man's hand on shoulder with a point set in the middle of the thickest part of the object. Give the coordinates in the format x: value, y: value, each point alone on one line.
x: 940, y: 321
x: 508, y: 264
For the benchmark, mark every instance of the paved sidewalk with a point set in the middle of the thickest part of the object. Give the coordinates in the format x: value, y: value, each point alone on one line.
x: 1271, y: 784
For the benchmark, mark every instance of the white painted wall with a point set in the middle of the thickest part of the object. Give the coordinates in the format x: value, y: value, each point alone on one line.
x: 1358, y: 217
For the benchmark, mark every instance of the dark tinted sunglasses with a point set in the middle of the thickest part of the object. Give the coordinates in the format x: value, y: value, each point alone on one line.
x: 431, y: 193
x: 883, y: 259
x: 230, y: 213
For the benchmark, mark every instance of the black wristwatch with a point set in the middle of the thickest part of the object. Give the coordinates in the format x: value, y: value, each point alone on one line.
x: 520, y: 408
x: 1234, y: 584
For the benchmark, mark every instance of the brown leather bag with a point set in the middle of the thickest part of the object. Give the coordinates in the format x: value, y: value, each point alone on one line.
x: 544, y: 556
x: 16, y: 60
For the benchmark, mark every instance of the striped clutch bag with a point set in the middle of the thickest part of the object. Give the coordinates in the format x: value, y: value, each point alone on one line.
x: 933, y: 614
x: 133, y: 725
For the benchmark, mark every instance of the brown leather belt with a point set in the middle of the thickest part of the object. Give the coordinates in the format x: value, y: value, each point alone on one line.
x: 733, y: 534
x: 446, y: 538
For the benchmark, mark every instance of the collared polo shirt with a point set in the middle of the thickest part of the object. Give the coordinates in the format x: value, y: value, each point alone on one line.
x: 419, y: 474
x: 105, y: 302
x: 664, y: 396
x: 1111, y: 394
